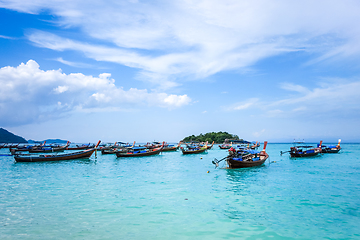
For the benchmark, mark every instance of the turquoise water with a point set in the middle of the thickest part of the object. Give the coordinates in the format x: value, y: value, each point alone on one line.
x: 171, y: 196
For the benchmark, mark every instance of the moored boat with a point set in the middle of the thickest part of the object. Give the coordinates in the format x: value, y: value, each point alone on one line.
x: 169, y: 148
x: 116, y: 147
x: 81, y: 147
x: 25, y: 148
x: 304, y: 151
x: 247, y: 158
x: 153, y: 145
x: 225, y: 146
x: 331, y: 148
x: 194, y: 150
x: 49, y: 149
x: 141, y: 152
x: 244, y: 158
x: 55, y: 157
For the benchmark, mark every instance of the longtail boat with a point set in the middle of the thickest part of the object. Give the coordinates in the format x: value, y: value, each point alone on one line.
x: 225, y: 146
x: 244, y: 158
x: 81, y: 147
x: 194, y: 150
x: 117, y: 146
x: 140, y: 152
x: 109, y: 151
x: 22, y: 148
x: 304, y: 151
x: 331, y: 149
x: 153, y: 145
x: 197, y: 145
x: 26, y: 148
x: 169, y: 148
x: 49, y: 149
x: 55, y: 157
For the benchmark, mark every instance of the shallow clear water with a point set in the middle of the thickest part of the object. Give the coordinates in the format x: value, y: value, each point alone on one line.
x: 171, y: 196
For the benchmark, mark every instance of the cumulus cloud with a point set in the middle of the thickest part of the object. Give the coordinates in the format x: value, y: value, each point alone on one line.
x: 173, y: 40
x: 28, y: 94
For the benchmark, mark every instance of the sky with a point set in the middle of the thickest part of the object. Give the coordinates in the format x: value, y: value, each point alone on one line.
x: 131, y: 70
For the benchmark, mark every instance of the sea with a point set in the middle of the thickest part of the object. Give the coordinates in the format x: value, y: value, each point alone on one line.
x: 175, y: 196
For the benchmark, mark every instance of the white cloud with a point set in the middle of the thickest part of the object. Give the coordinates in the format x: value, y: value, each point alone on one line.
x: 340, y: 94
x: 177, y: 101
x: 332, y: 98
x: 244, y: 105
x: 61, y: 89
x: 258, y: 134
x: 295, y: 88
x: 6, y: 37
x: 73, y: 64
x: 28, y: 91
x: 170, y: 40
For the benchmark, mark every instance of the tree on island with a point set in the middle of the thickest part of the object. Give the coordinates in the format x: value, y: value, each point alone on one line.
x: 218, y: 137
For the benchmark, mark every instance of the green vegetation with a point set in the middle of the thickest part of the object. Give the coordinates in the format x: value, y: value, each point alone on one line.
x: 8, y: 137
x: 218, y: 137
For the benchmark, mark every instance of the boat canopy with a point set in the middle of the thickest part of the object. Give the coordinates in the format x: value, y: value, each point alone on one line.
x: 331, y: 146
x: 304, y: 146
x: 138, y: 148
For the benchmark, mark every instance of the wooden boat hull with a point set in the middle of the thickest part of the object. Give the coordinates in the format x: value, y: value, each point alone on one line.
x: 60, y: 157
x: 304, y: 154
x: 330, y: 150
x: 224, y: 147
x: 140, y: 153
x: 193, y: 151
x: 79, y: 148
x: 14, y: 150
x: 114, y: 150
x: 168, y: 149
x: 58, y: 149
x: 246, y: 164
x: 108, y: 151
x: 305, y: 151
x: 46, y: 151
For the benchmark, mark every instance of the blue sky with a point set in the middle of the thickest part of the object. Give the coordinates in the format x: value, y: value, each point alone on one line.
x: 162, y: 70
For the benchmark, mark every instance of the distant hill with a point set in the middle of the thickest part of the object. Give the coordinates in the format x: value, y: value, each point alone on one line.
x: 8, y: 137
x: 49, y: 141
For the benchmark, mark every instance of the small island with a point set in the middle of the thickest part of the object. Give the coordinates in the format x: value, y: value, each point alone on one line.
x: 219, y: 137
